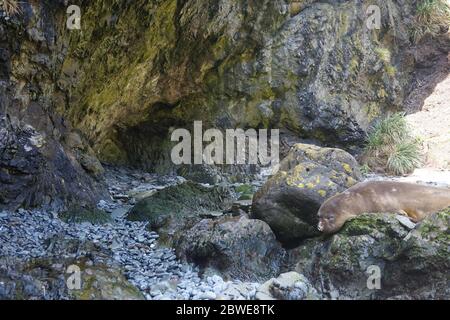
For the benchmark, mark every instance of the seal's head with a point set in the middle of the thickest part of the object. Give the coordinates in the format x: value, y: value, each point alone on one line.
x: 332, y: 214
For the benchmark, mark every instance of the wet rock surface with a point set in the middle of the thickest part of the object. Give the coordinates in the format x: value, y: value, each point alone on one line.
x: 315, y: 71
x: 319, y: 73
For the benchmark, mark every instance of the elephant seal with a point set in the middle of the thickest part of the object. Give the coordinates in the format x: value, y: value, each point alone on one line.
x: 413, y: 200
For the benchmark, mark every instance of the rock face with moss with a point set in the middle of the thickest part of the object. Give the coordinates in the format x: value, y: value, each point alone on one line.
x: 173, y: 210
x: 309, y: 175
x: 137, y: 70
x: 412, y: 264
x: 44, y: 161
x: 316, y: 70
x: 101, y: 277
x: 78, y: 214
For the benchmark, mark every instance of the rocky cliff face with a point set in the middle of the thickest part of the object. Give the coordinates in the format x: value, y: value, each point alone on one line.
x: 115, y: 89
x: 43, y: 160
x: 319, y: 72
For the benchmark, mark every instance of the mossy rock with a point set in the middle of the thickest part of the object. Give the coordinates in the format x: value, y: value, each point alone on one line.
x: 185, y: 199
x: 245, y: 191
x: 175, y: 208
x: 78, y: 214
x: 413, y: 263
x: 104, y: 283
x: 308, y: 176
x: 101, y: 278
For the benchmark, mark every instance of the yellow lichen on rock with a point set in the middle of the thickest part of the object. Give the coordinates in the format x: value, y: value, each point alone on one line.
x: 347, y: 167
x: 322, y: 193
x: 295, y: 7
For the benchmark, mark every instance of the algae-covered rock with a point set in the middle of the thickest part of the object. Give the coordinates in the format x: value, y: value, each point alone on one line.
x: 245, y: 191
x: 237, y: 247
x: 309, y: 175
x: 52, y: 277
x: 37, y: 167
x: 309, y: 67
x: 178, y: 207
x: 104, y: 282
x: 79, y: 214
x: 410, y: 264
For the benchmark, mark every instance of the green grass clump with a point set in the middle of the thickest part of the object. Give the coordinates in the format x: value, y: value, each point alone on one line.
x: 431, y: 19
x: 391, y: 147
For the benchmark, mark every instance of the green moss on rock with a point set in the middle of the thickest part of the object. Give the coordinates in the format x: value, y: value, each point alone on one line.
x: 414, y: 263
x: 78, y: 214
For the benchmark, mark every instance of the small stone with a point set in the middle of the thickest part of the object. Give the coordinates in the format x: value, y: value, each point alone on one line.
x: 120, y: 212
x: 240, y: 206
x: 115, y: 245
x: 102, y: 203
x: 211, y: 215
x: 208, y: 296
x: 406, y: 222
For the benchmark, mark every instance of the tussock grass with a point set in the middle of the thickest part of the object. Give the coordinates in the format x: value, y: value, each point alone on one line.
x: 11, y: 7
x: 391, y: 147
x: 405, y: 157
x: 432, y: 16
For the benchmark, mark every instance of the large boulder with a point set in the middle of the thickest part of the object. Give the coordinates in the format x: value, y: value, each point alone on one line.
x: 309, y: 175
x: 410, y: 263
x: 237, y: 247
x: 177, y: 208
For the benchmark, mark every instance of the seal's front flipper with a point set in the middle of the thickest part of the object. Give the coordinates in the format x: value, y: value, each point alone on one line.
x: 412, y: 215
x: 402, y: 213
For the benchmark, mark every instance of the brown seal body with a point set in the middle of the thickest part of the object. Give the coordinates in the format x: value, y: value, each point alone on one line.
x: 414, y: 200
